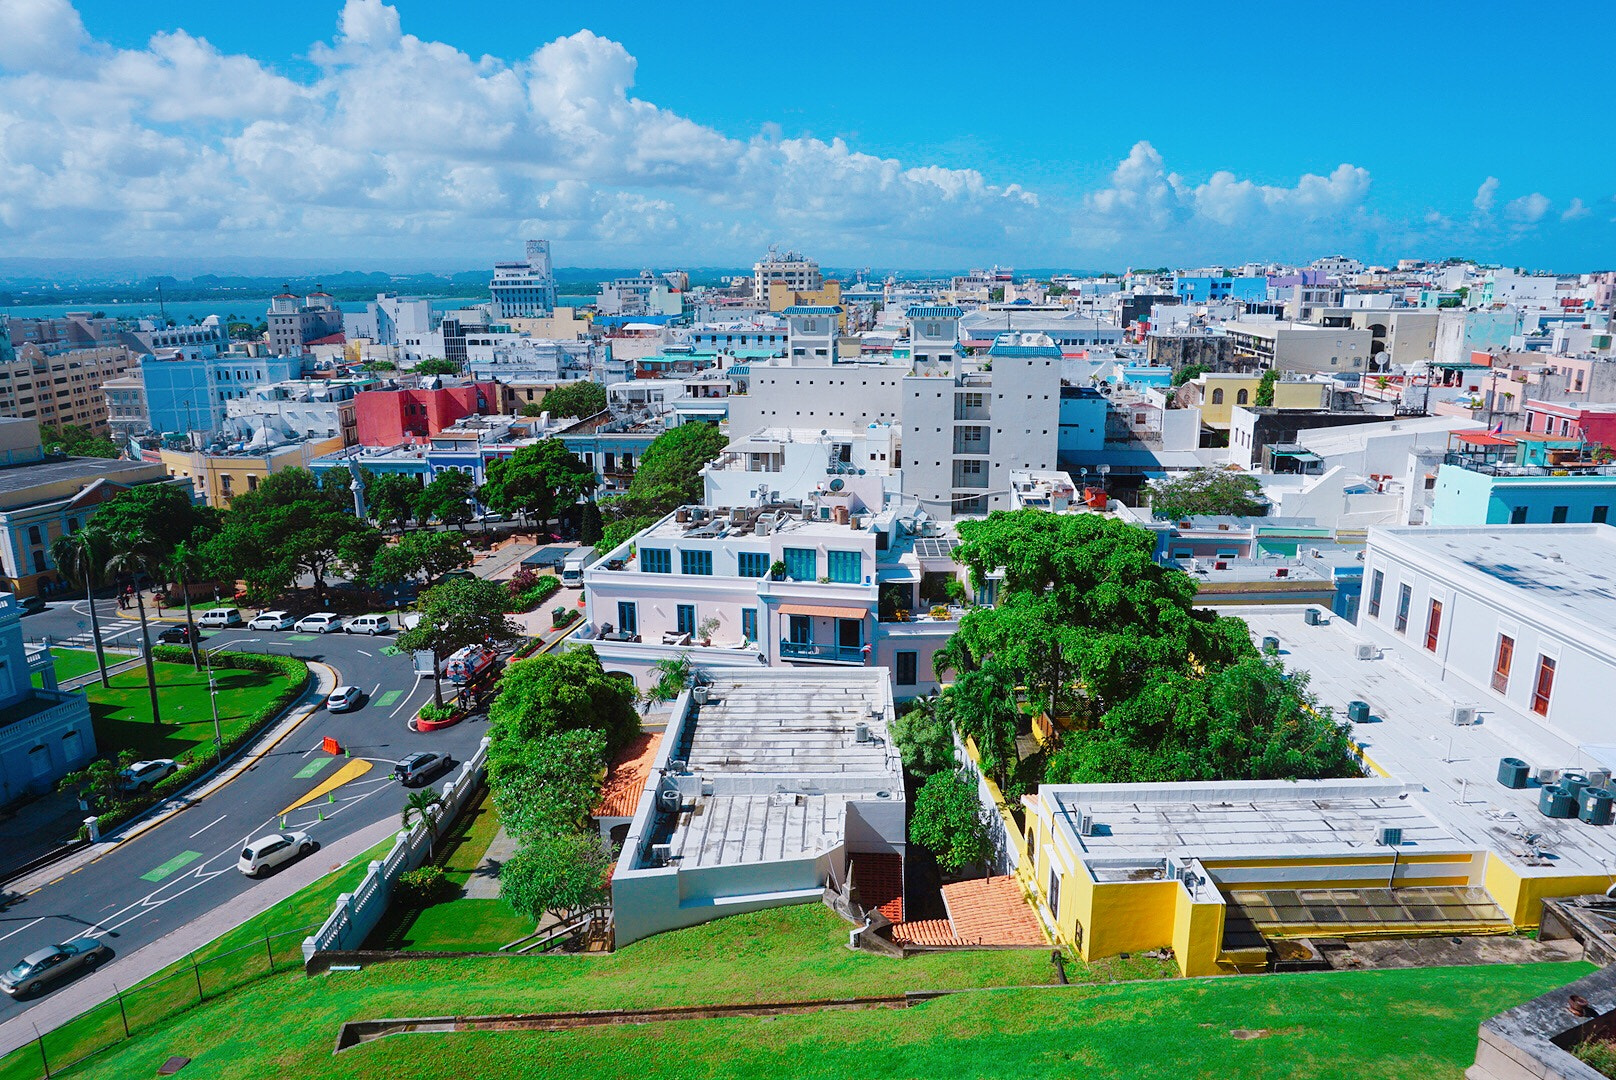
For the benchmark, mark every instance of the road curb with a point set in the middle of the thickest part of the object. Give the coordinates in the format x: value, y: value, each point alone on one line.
x: 323, y: 679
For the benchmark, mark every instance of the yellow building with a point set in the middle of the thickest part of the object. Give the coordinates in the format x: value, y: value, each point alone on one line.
x: 218, y: 478
x: 1218, y: 392
x: 782, y: 296
x: 564, y: 325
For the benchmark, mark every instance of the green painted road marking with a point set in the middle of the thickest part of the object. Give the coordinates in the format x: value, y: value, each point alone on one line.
x: 388, y: 698
x: 302, y: 637
x: 183, y: 859
x: 312, y: 769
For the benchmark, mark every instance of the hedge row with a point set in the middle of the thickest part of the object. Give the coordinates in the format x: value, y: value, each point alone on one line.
x: 297, y: 674
x: 547, y: 587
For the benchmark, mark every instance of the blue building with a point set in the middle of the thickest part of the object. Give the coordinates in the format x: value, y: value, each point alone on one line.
x: 1082, y: 421
x: 189, y: 394
x: 44, y: 733
x: 1193, y: 290
x: 1514, y: 478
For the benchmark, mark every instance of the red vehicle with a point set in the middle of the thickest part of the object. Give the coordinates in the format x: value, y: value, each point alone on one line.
x: 471, y: 665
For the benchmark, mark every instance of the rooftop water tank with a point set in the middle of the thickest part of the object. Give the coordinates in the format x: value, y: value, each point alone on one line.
x: 1270, y: 645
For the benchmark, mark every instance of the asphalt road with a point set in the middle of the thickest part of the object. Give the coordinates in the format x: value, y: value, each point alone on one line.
x: 185, y: 867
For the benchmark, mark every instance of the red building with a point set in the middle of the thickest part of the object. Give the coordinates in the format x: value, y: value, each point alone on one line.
x: 1571, y: 420
x: 389, y: 417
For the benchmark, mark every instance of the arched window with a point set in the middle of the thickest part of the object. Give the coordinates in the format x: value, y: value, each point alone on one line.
x: 1241, y: 397
x: 1217, y: 396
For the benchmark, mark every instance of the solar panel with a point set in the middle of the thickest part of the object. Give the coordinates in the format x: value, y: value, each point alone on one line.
x: 928, y: 548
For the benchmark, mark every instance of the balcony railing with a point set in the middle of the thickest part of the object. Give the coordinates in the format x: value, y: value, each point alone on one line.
x: 1503, y: 468
x: 832, y: 654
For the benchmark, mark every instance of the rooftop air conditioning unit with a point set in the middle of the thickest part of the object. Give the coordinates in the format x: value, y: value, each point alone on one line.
x: 1085, y: 823
x: 1464, y: 715
x: 1389, y: 836
x: 1366, y: 651
x: 661, y: 854
x: 1547, y: 775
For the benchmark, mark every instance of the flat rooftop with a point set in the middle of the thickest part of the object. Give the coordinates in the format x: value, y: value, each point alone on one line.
x: 773, y: 760
x: 1411, y: 737
x: 1568, y: 571
x: 19, y: 479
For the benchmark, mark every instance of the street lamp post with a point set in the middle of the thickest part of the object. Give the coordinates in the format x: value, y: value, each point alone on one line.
x: 213, y: 698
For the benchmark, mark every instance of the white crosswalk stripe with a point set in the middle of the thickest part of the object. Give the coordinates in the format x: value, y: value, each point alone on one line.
x: 117, y: 629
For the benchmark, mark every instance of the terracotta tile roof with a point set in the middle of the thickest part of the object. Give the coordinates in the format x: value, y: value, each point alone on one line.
x: 991, y: 911
x: 879, y: 880
x: 925, y: 932
x: 626, y: 780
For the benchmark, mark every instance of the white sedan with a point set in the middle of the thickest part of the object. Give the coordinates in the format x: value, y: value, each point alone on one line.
x: 268, y: 852
x: 321, y: 622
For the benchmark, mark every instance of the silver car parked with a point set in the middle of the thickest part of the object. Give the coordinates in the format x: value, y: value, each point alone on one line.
x: 39, y: 969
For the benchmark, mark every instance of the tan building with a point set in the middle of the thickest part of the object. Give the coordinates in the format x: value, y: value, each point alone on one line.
x: 62, y: 388
x: 218, y: 478
x: 828, y: 294
x: 564, y: 325
x: 43, y: 498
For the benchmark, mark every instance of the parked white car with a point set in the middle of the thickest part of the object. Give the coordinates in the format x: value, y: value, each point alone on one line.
x: 144, y: 775
x: 219, y: 617
x: 276, y: 849
x: 272, y: 620
x: 368, y: 624
x: 321, y: 622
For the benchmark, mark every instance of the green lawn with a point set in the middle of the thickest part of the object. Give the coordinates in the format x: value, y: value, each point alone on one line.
x: 72, y: 663
x: 122, y: 715
x: 1327, y: 1024
x: 460, y: 924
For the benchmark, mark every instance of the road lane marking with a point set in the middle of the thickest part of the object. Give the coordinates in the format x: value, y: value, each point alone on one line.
x: 302, y: 637
x: 362, y: 652
x: 312, y: 769
x: 183, y: 859
x: 208, y: 826
x: 388, y: 698
x: 354, y: 769
x: 374, y: 691
x: 21, y: 928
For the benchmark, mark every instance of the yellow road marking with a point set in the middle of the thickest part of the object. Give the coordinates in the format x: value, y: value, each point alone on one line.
x: 59, y: 880
x: 355, y: 768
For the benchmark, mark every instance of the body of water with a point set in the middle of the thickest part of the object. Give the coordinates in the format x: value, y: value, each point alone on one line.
x: 244, y: 310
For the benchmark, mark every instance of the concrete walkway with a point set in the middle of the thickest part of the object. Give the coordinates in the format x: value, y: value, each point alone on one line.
x: 484, y: 883
x: 76, y: 997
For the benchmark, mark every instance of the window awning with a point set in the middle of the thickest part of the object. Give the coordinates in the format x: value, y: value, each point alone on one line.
x: 827, y: 612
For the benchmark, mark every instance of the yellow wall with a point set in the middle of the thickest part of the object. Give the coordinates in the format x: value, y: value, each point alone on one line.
x: 207, y: 472
x: 1301, y: 395
x: 1521, y: 897
x: 1197, y: 935
x: 1217, y: 414
x: 829, y: 294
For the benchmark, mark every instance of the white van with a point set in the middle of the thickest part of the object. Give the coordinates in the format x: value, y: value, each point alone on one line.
x: 369, y: 624
x: 220, y: 616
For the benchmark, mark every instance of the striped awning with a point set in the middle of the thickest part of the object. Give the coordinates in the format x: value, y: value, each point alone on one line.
x: 819, y: 609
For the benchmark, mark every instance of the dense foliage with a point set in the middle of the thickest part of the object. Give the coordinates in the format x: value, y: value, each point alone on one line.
x: 447, y: 499
x: 1148, y: 686
x: 456, y: 613
x: 291, y: 525
x: 668, y: 477
x: 948, y: 821
x: 924, y: 734
x: 76, y: 441
x: 1207, y: 492
x: 556, y: 873
x: 575, y: 399
x: 563, y: 691
x: 538, y: 481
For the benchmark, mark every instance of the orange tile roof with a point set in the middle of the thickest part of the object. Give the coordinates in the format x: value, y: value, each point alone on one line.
x: 879, y: 880
x: 992, y: 911
x: 925, y: 932
x: 626, y: 779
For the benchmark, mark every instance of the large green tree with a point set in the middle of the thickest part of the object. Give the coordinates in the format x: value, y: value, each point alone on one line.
x: 436, y: 365
x: 556, y: 874
x: 291, y: 525
x: 177, y: 533
x: 447, y: 498
x: 418, y: 554
x: 1207, y: 492
x: 391, y: 499
x: 546, y: 784
x: 76, y: 441
x: 949, y: 822
x: 668, y: 477
x: 924, y: 734
x: 82, y: 558
x: 577, y: 399
x: 457, y: 613
x: 538, y: 481
x: 563, y: 691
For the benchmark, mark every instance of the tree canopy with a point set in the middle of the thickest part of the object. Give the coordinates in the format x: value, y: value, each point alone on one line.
x: 1208, y: 492
x: 1265, y: 388
x: 581, y: 398
x: 77, y: 441
x: 1188, y: 372
x: 539, y: 481
x: 391, y: 499
x: 290, y: 525
x: 924, y: 734
x: 948, y: 821
x: 563, y: 691
x: 436, y: 365
x: 162, y: 512
x: 546, y: 784
x: 558, y: 874
x: 668, y: 477
x: 457, y: 613
x: 445, y: 498
x: 418, y: 554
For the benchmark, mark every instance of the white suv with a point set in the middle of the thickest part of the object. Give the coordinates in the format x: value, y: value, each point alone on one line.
x: 268, y: 852
x: 321, y: 622
x: 271, y: 620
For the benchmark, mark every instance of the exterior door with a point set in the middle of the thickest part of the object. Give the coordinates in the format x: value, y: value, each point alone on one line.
x: 850, y: 633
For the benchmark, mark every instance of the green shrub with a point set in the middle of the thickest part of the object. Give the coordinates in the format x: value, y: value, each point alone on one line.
x: 1597, y: 1054
x: 434, y: 713
x: 423, y: 887
x: 537, y: 594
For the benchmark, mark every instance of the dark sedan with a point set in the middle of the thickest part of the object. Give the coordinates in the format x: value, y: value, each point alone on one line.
x: 177, y: 635
x: 56, y: 962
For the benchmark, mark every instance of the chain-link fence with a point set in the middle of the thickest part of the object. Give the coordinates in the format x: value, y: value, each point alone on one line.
x: 149, y: 1003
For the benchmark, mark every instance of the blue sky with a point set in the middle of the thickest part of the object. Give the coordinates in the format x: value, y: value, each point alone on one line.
x: 941, y: 135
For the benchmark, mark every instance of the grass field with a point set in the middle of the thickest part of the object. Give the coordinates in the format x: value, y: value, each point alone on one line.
x: 72, y: 663
x: 122, y: 716
x: 460, y: 924
x: 1419, y: 1023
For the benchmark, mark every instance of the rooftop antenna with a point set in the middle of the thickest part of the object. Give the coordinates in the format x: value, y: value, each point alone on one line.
x: 162, y: 312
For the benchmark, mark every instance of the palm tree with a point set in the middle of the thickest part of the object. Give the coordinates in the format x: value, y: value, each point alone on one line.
x: 419, y: 806
x: 82, y: 557
x: 136, y: 556
x: 186, y: 562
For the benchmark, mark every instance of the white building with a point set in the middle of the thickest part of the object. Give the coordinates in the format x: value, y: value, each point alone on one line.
x: 808, y: 584
x: 645, y: 293
x: 1507, y: 615
x: 524, y: 289
x: 797, y: 464
x: 767, y: 786
x: 297, y: 409
x: 794, y: 271
x: 1302, y: 347
x: 390, y: 320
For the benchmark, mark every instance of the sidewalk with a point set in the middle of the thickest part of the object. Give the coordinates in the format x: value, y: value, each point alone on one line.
x: 74, y: 998
x: 320, y: 686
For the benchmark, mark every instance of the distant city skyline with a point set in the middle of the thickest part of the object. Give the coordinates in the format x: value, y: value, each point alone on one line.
x: 368, y: 136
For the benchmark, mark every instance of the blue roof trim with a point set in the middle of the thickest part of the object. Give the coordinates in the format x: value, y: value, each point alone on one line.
x: 935, y: 311
x: 806, y: 309
x: 1025, y: 350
